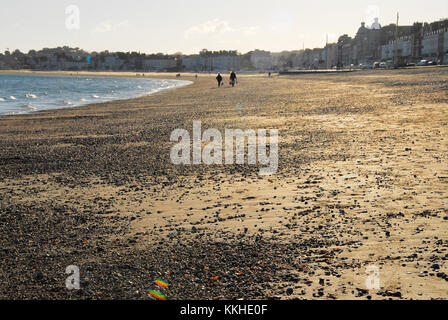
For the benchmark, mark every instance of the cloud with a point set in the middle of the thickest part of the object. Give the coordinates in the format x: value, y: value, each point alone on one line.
x: 108, y: 26
x: 250, y: 31
x: 102, y: 28
x: 217, y: 27
x: 122, y: 24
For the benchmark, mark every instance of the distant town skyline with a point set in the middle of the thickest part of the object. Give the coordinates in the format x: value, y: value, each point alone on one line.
x: 188, y: 27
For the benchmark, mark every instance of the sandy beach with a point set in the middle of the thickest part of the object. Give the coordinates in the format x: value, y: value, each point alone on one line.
x: 362, y: 182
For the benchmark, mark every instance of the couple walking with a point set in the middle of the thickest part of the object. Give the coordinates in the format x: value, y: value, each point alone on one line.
x: 233, y: 79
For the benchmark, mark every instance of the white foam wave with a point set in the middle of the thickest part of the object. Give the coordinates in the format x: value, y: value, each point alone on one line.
x: 55, y: 94
x: 30, y: 107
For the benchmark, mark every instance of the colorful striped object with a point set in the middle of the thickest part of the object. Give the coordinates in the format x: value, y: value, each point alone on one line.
x: 162, y: 283
x: 157, y: 295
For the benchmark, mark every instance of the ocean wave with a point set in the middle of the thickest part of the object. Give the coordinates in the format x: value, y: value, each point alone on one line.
x: 29, y: 107
x: 56, y: 92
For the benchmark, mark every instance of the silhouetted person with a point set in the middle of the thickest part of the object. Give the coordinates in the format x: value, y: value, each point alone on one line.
x: 233, y: 79
x: 219, y: 79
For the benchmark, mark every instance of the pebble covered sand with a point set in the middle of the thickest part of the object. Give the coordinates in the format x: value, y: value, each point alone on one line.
x: 362, y: 182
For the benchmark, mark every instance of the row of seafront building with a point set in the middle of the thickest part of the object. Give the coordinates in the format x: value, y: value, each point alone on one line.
x: 75, y: 59
x: 376, y: 43
x: 370, y: 44
x: 205, y: 61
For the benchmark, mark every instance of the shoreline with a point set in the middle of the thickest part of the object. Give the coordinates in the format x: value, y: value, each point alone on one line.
x: 112, y: 74
x: 362, y: 182
x: 99, y: 75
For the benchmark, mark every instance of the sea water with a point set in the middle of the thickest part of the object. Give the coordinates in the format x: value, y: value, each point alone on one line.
x: 21, y: 94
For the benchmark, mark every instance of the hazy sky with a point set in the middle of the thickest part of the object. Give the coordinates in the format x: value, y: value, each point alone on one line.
x: 188, y: 26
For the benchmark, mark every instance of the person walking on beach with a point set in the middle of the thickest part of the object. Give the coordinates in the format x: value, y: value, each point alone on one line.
x: 219, y: 79
x: 233, y: 78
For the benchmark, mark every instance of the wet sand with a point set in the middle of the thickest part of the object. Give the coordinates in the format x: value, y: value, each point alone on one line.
x: 362, y: 181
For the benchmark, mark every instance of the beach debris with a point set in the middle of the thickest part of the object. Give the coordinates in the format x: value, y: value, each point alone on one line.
x: 159, y: 293
x: 162, y: 283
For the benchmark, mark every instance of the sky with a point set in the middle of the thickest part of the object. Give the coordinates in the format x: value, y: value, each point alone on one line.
x: 170, y: 26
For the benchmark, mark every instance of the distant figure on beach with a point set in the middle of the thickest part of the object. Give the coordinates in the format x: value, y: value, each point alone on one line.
x: 233, y: 79
x: 219, y: 79
x: 196, y: 76
x: 269, y: 74
x: 178, y: 75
